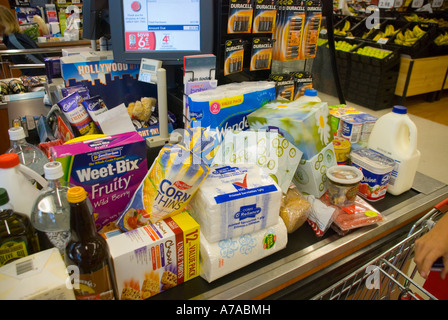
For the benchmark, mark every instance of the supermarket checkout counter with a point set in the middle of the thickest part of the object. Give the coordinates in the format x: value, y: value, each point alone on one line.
x: 308, y: 263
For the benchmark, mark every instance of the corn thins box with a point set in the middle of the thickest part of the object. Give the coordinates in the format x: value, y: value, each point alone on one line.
x: 154, y: 258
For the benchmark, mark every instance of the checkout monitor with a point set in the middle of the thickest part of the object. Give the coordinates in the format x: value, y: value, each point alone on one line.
x: 165, y: 30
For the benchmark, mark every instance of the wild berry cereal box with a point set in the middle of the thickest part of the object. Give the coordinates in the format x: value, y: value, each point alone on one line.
x: 155, y: 257
x: 109, y: 168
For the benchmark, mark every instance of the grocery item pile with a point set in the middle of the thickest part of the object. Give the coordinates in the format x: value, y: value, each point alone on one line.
x: 221, y: 199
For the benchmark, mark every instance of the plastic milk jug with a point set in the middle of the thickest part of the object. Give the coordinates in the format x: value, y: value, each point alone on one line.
x: 309, y: 95
x: 14, y: 177
x: 395, y: 135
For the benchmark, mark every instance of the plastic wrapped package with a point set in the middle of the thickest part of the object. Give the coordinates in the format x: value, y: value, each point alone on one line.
x: 223, y: 257
x: 294, y: 209
x: 321, y: 215
x: 358, y: 215
x: 235, y: 200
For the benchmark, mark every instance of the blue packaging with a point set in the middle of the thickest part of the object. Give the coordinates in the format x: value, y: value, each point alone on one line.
x: 226, y: 107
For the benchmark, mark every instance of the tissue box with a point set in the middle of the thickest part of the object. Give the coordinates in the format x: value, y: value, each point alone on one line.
x: 109, y: 168
x: 268, y: 150
x: 305, y: 125
x: 223, y: 257
x: 156, y: 257
x: 310, y: 176
x: 234, y: 200
x: 40, y: 276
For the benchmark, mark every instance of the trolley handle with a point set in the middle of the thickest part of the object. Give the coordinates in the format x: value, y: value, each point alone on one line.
x: 442, y: 206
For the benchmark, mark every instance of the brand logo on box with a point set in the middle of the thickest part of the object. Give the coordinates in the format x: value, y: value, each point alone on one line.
x: 249, y: 211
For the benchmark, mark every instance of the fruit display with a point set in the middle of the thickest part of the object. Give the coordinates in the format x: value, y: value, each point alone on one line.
x: 388, y: 32
x: 373, y: 52
x: 442, y: 23
x: 442, y: 39
x: 344, y: 45
x: 409, y: 37
x: 344, y: 30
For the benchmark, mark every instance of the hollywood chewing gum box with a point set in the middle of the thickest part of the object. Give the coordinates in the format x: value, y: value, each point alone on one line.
x: 109, y: 168
x: 156, y: 257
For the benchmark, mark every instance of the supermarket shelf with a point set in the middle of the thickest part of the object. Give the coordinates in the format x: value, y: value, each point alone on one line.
x: 306, y: 254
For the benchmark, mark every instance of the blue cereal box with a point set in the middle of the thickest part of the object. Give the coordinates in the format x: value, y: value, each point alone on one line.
x: 109, y: 168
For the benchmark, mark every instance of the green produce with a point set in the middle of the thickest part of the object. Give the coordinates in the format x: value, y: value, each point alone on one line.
x: 373, y: 52
x: 343, y: 46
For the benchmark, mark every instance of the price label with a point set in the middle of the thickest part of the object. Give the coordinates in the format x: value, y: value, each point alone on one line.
x: 398, y: 3
x: 436, y: 3
x: 382, y: 40
x: 417, y: 3
x: 386, y: 4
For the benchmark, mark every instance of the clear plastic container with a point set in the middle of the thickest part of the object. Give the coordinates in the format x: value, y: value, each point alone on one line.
x: 29, y: 155
x: 51, y: 210
x: 343, y: 183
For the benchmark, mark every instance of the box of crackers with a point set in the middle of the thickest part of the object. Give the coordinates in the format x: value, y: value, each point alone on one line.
x: 156, y: 257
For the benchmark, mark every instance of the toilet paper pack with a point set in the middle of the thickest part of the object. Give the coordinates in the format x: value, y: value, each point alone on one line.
x: 223, y: 257
x: 235, y: 200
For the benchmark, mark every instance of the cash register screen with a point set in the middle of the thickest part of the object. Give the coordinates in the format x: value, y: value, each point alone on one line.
x: 161, y: 29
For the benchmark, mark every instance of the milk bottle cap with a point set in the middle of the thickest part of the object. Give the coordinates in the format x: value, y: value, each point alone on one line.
x: 400, y: 109
x: 16, y: 133
x: 9, y: 160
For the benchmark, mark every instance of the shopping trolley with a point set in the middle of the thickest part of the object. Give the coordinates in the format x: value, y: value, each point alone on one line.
x: 388, y: 276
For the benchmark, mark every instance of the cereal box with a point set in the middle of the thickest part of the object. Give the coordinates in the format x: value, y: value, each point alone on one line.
x: 156, y: 257
x: 109, y: 168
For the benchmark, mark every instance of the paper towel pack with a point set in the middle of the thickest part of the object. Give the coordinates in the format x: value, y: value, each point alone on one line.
x: 225, y: 256
x: 234, y: 200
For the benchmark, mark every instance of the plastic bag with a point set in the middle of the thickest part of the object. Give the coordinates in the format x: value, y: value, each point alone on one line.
x: 358, y: 215
x: 321, y: 215
x: 294, y: 209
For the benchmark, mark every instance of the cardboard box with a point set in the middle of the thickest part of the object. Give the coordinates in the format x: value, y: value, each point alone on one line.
x: 115, y: 82
x: 156, y: 257
x: 109, y: 168
x: 310, y: 176
x: 40, y: 276
x: 306, y: 125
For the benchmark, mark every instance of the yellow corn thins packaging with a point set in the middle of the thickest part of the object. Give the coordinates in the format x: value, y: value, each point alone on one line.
x: 167, y: 188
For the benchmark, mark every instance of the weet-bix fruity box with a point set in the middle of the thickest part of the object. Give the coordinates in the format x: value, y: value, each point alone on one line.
x: 109, y: 168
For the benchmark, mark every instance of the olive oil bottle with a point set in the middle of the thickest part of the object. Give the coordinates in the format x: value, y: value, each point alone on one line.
x: 86, y: 253
x: 18, y: 238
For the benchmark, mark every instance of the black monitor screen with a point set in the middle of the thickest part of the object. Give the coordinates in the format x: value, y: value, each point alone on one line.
x: 161, y: 29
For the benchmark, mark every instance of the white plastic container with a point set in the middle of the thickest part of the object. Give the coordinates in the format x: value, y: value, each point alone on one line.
x: 376, y: 169
x: 395, y: 136
x: 14, y: 178
x: 309, y: 95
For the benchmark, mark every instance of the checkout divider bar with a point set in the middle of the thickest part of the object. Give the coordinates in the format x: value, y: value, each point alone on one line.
x: 294, y: 267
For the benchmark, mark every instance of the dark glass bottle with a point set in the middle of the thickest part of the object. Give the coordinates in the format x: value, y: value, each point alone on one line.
x: 87, y: 255
x: 18, y: 238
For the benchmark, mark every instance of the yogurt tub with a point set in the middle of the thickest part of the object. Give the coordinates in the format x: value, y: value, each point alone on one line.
x: 343, y: 183
x: 368, y: 122
x: 342, y: 149
x: 376, y: 168
x: 351, y: 128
